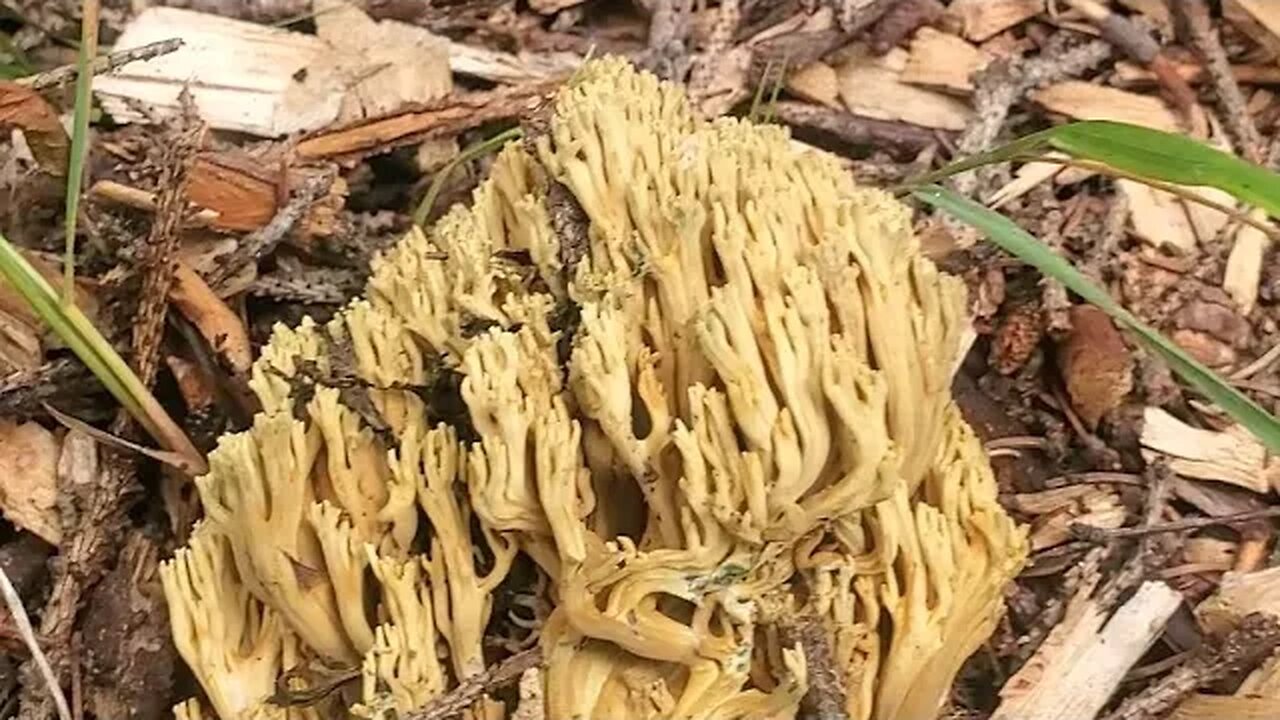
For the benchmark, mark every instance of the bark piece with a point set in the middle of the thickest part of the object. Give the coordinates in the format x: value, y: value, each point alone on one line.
x: 29, y: 479
x: 1225, y: 707
x: 943, y: 61
x: 982, y: 19
x: 1081, y: 664
x: 1096, y: 364
x: 220, y: 326
x: 1231, y: 456
x: 873, y: 87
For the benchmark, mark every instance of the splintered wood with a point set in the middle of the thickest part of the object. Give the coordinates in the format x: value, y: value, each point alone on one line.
x: 1233, y: 456
x: 1083, y: 661
x: 270, y: 82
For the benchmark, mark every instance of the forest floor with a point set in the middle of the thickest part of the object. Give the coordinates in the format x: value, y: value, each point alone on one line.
x: 297, y: 165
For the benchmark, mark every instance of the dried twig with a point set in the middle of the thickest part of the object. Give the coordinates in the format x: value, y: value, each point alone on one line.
x: 457, y: 701
x: 1097, y: 534
x: 1253, y: 641
x: 104, y: 64
x: 902, y: 138
x: 1002, y: 84
x: 825, y: 699
x: 162, y: 242
x: 261, y: 241
x: 1194, y: 14
x: 1137, y: 44
x: 23, y: 623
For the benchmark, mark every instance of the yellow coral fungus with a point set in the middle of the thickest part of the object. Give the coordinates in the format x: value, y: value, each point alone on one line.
x: 719, y: 404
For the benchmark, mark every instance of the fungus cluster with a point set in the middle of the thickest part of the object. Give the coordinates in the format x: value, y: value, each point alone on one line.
x: 672, y: 382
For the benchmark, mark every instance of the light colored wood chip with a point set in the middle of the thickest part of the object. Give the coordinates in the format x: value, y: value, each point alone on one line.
x: 1238, y: 595
x: 1232, y: 456
x: 29, y: 479
x: 1089, y: 101
x: 1079, y: 666
x: 1259, y: 19
x: 1157, y: 11
x: 1162, y: 219
x: 270, y: 82
x: 1025, y: 178
x: 1209, y: 551
x: 982, y: 19
x: 816, y: 82
x: 375, y: 67
x: 550, y: 7
x: 508, y: 68
x: 1244, y: 264
x: 943, y: 61
x: 873, y: 87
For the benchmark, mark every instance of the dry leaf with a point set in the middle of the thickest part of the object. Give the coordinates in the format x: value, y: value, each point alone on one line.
x: 23, y: 108
x: 29, y: 479
x: 1096, y: 364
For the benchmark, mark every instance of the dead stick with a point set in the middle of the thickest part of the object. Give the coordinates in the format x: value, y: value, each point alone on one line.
x: 472, y: 689
x: 1097, y: 534
x: 1243, y: 648
x: 1194, y: 15
x: 904, y: 138
x: 104, y: 64
x: 260, y: 242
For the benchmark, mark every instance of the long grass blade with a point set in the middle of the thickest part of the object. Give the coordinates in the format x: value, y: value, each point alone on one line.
x: 1137, y: 152
x: 1008, y: 235
x: 79, y: 140
x: 472, y: 152
x: 76, y: 330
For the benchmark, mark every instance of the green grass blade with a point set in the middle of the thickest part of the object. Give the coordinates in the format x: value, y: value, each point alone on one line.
x: 79, y: 140
x: 1140, y: 152
x: 1008, y: 235
x: 472, y: 152
x: 79, y: 334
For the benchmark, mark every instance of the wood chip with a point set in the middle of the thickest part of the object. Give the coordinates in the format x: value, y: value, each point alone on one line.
x: 1238, y: 595
x: 982, y: 19
x: 1232, y: 456
x: 1164, y: 220
x: 1083, y: 661
x: 1089, y: 101
x: 873, y: 87
x: 1244, y: 264
x: 29, y: 479
x: 943, y: 61
x: 816, y: 82
x: 270, y: 82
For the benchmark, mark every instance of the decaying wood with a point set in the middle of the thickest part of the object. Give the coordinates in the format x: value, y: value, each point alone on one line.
x: 270, y: 82
x: 1243, y: 648
x: 899, y: 138
x: 1231, y: 456
x: 1225, y: 707
x: 457, y: 700
x: 446, y: 117
x: 1084, y: 659
x: 1239, y: 595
